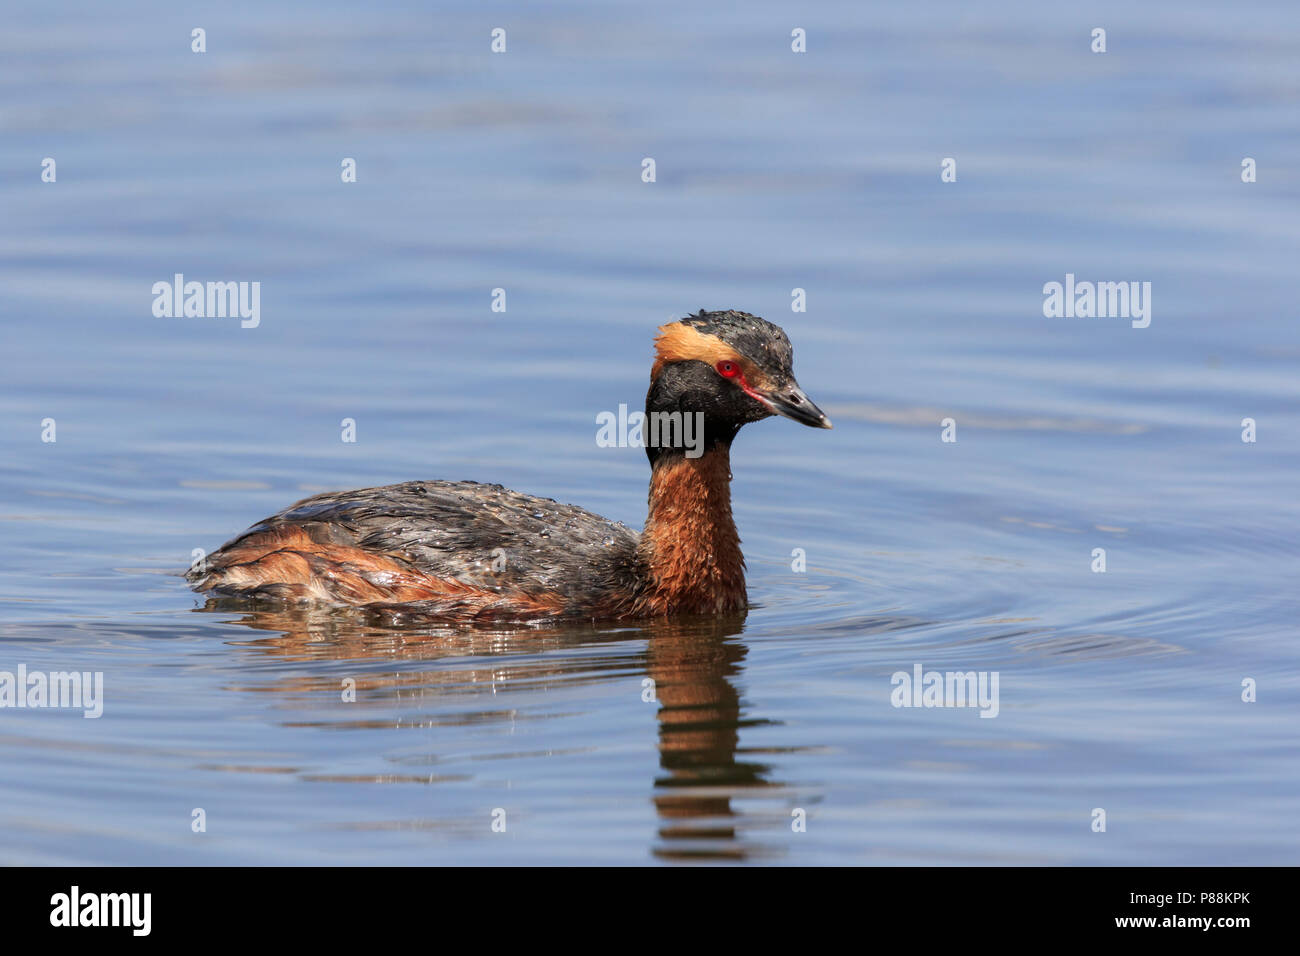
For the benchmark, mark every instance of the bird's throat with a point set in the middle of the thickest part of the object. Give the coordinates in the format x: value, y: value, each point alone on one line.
x: 690, y: 544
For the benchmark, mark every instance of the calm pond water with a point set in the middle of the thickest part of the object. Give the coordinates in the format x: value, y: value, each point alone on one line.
x: 1119, y: 691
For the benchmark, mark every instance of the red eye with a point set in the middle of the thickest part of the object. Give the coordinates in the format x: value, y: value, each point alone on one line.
x: 728, y: 369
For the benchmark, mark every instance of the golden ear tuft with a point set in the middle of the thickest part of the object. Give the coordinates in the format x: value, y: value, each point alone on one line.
x: 679, y: 342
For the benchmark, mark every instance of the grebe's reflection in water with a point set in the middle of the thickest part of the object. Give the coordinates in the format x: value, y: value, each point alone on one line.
x: 695, y: 670
x: 689, y: 669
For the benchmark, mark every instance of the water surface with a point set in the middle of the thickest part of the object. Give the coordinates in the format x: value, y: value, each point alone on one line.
x: 1118, y: 690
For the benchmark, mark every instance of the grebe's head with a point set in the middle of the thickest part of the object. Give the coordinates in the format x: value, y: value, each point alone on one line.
x: 732, y: 366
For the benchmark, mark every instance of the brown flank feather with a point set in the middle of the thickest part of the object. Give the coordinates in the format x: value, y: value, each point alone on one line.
x: 288, y: 563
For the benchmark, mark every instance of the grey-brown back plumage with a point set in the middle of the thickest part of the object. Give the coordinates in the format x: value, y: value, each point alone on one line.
x: 482, y: 535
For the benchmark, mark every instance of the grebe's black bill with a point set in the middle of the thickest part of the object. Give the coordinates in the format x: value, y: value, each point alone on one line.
x: 794, y: 403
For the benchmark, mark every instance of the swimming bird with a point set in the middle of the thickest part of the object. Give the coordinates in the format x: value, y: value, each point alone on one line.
x: 460, y: 551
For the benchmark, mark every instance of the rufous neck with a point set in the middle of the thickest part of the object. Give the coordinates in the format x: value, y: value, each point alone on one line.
x: 690, y: 542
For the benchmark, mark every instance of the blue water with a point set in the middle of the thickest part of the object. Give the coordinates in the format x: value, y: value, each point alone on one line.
x: 1119, y: 691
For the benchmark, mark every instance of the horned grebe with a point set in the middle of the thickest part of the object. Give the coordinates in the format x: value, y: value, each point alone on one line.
x: 463, y: 551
